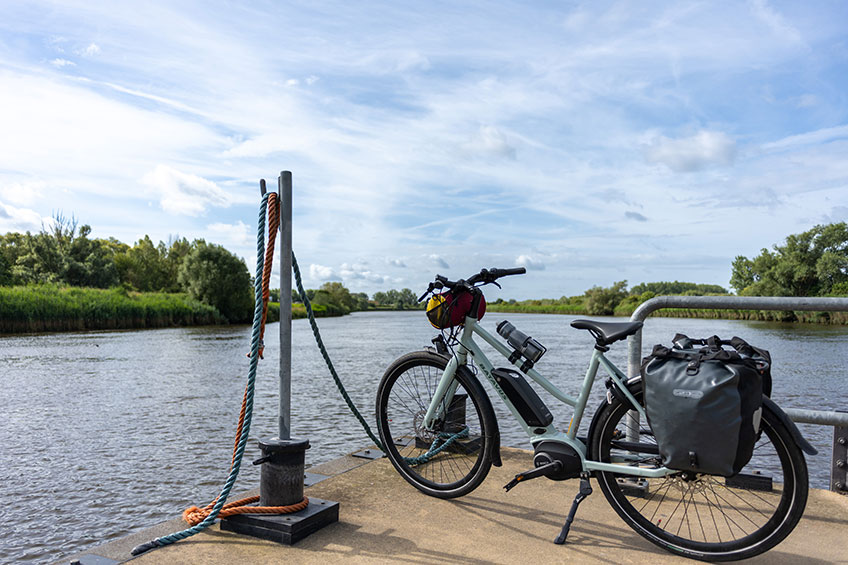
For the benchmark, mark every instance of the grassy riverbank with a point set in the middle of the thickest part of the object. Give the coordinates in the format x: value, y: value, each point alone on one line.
x: 47, y: 308
x: 54, y: 308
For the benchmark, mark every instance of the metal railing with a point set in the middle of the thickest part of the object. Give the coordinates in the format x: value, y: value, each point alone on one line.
x: 839, y: 420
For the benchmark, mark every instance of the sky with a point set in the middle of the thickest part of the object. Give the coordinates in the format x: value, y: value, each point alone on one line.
x: 590, y: 142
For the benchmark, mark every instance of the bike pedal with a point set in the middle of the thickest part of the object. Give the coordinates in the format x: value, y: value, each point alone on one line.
x: 514, y: 482
x: 540, y: 471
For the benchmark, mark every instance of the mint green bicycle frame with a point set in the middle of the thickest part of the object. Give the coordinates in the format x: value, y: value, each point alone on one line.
x: 447, y: 386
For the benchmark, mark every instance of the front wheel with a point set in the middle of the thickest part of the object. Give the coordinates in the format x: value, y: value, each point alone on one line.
x: 451, y: 457
x: 705, y: 517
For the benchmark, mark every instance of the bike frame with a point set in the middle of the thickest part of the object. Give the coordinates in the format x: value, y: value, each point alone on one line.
x: 447, y: 387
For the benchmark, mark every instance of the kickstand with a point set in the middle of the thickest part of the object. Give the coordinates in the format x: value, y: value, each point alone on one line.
x: 585, y: 490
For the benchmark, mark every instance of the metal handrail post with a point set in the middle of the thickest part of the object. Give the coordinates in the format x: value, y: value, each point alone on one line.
x: 285, y: 186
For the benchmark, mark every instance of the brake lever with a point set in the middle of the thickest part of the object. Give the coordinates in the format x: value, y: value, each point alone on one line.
x: 429, y: 290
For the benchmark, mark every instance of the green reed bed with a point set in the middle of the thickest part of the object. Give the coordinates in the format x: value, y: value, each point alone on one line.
x: 39, y: 308
x: 626, y: 309
x: 538, y: 307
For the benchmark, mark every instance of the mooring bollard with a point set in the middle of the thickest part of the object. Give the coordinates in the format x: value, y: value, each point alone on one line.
x: 282, y: 457
x: 281, y: 480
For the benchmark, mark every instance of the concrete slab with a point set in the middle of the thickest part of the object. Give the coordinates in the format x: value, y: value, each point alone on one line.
x: 384, y: 519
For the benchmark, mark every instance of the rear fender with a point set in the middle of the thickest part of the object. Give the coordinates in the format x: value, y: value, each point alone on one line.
x: 790, y: 425
x: 634, y: 385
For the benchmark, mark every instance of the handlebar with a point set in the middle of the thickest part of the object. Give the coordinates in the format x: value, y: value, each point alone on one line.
x: 485, y: 276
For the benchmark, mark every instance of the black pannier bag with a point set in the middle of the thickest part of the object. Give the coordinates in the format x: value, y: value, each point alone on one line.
x: 704, y: 405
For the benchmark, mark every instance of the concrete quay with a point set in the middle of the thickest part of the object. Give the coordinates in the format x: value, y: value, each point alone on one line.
x: 382, y: 519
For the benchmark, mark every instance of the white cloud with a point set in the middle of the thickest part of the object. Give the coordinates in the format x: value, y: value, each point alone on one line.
x: 23, y: 194
x: 90, y: 50
x: 182, y: 193
x: 360, y: 272
x: 19, y: 219
x: 838, y: 214
x: 265, y: 144
x: 704, y: 149
x: 439, y: 261
x: 529, y: 263
x: 70, y: 134
x: 396, y: 263
x: 490, y: 141
x: 775, y: 21
x: 59, y: 62
x: 232, y: 234
x: 817, y: 137
x: 321, y: 273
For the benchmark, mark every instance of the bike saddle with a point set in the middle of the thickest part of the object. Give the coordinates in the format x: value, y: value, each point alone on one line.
x: 606, y: 333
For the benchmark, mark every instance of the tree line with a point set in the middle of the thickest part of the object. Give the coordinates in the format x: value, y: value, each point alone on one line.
x: 812, y: 263
x: 64, y: 254
x: 608, y: 301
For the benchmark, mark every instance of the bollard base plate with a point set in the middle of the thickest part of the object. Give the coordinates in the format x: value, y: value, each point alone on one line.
x: 372, y: 453
x: 287, y: 529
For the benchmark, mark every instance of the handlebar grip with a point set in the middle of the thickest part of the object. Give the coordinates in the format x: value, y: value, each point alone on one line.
x: 508, y: 272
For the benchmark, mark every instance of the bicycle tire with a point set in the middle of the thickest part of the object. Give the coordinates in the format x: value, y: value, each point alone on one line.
x: 403, y: 396
x: 734, y: 518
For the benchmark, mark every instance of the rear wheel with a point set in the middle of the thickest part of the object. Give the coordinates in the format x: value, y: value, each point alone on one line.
x: 452, y: 457
x: 701, y: 516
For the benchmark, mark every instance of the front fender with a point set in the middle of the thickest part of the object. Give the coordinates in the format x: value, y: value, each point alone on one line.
x: 487, y: 405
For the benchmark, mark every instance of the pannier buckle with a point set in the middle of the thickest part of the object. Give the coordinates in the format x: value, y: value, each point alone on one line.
x: 693, y: 459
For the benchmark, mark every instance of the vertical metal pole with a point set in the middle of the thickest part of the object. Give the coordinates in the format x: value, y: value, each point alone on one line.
x: 634, y: 353
x: 285, y: 186
x: 839, y: 465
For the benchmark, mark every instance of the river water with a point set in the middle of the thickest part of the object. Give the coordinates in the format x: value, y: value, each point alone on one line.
x: 105, y: 433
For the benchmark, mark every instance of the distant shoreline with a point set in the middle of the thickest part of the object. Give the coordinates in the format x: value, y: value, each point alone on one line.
x: 51, y: 308
x: 825, y: 318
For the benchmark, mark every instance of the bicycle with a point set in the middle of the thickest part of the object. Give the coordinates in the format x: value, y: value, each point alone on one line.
x: 440, y: 432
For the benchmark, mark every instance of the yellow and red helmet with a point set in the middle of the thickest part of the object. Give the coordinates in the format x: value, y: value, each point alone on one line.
x: 447, y: 310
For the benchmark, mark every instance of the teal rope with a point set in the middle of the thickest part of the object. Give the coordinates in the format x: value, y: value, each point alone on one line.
x: 447, y: 438
x: 251, y: 380
x: 423, y: 458
x: 326, y: 356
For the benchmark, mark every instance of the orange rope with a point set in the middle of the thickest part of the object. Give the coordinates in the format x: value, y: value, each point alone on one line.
x: 273, y: 226
x: 195, y: 515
